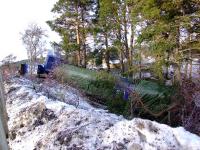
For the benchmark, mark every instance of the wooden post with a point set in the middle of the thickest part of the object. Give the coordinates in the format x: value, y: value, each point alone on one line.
x: 3, y: 118
x: 3, y: 141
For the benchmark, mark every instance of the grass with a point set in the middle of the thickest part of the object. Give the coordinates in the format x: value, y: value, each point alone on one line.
x: 153, y: 88
x: 97, y: 84
x: 101, y: 85
x: 80, y: 72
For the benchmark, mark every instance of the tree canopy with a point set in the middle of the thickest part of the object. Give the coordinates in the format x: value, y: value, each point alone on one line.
x: 166, y: 31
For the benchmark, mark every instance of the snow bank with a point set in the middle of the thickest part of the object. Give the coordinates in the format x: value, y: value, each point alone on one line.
x: 39, y: 123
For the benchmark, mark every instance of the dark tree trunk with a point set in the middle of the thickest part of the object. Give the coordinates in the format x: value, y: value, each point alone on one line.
x: 107, y: 53
x: 178, y: 65
x: 140, y: 66
x: 84, y: 40
x: 121, y: 50
x: 131, y: 49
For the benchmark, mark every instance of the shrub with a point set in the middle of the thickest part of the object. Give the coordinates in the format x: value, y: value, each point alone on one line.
x: 59, y: 74
x: 103, y: 85
x: 104, y: 80
x: 117, y: 105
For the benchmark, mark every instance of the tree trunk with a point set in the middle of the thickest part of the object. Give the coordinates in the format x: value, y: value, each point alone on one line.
x: 132, y: 31
x: 124, y: 12
x: 78, y: 55
x: 186, y: 69
x: 84, y: 40
x: 125, y: 35
x: 84, y: 55
x: 31, y: 66
x: 131, y: 48
x: 107, y: 53
x: 167, y: 67
x: 30, y: 56
x: 190, y: 61
x: 121, y: 49
x: 121, y: 61
x: 190, y: 58
x: 178, y: 68
x: 140, y: 66
x: 178, y: 65
x: 178, y: 73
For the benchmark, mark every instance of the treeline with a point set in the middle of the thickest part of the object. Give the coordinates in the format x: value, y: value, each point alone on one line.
x: 167, y: 31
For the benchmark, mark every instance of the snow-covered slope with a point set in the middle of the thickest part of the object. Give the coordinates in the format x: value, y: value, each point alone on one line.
x: 39, y: 123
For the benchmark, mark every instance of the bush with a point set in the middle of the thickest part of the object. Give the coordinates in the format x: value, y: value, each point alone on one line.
x: 100, y: 85
x: 59, y: 74
x: 118, y: 106
x: 104, y: 80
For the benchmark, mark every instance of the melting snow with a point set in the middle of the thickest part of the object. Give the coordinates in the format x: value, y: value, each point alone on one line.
x: 40, y: 123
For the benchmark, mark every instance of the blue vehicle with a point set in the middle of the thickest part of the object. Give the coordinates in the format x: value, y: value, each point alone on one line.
x: 52, y: 60
x: 23, y: 69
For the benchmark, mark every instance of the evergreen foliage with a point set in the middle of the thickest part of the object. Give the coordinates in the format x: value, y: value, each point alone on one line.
x: 166, y: 31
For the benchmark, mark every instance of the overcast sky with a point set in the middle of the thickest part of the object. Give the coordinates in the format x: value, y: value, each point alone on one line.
x: 15, y: 16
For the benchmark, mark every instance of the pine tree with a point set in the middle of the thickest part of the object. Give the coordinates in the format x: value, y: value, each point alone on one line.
x: 104, y: 27
x: 166, y: 22
x: 72, y: 24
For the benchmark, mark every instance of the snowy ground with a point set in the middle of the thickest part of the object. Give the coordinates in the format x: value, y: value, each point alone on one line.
x: 40, y: 123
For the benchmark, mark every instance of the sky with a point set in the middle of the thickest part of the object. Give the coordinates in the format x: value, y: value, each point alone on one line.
x: 15, y: 17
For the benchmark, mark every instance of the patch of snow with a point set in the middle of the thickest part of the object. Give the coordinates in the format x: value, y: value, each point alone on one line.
x: 37, y: 122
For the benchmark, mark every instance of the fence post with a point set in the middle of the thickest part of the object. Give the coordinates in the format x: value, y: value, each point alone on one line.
x: 3, y: 117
